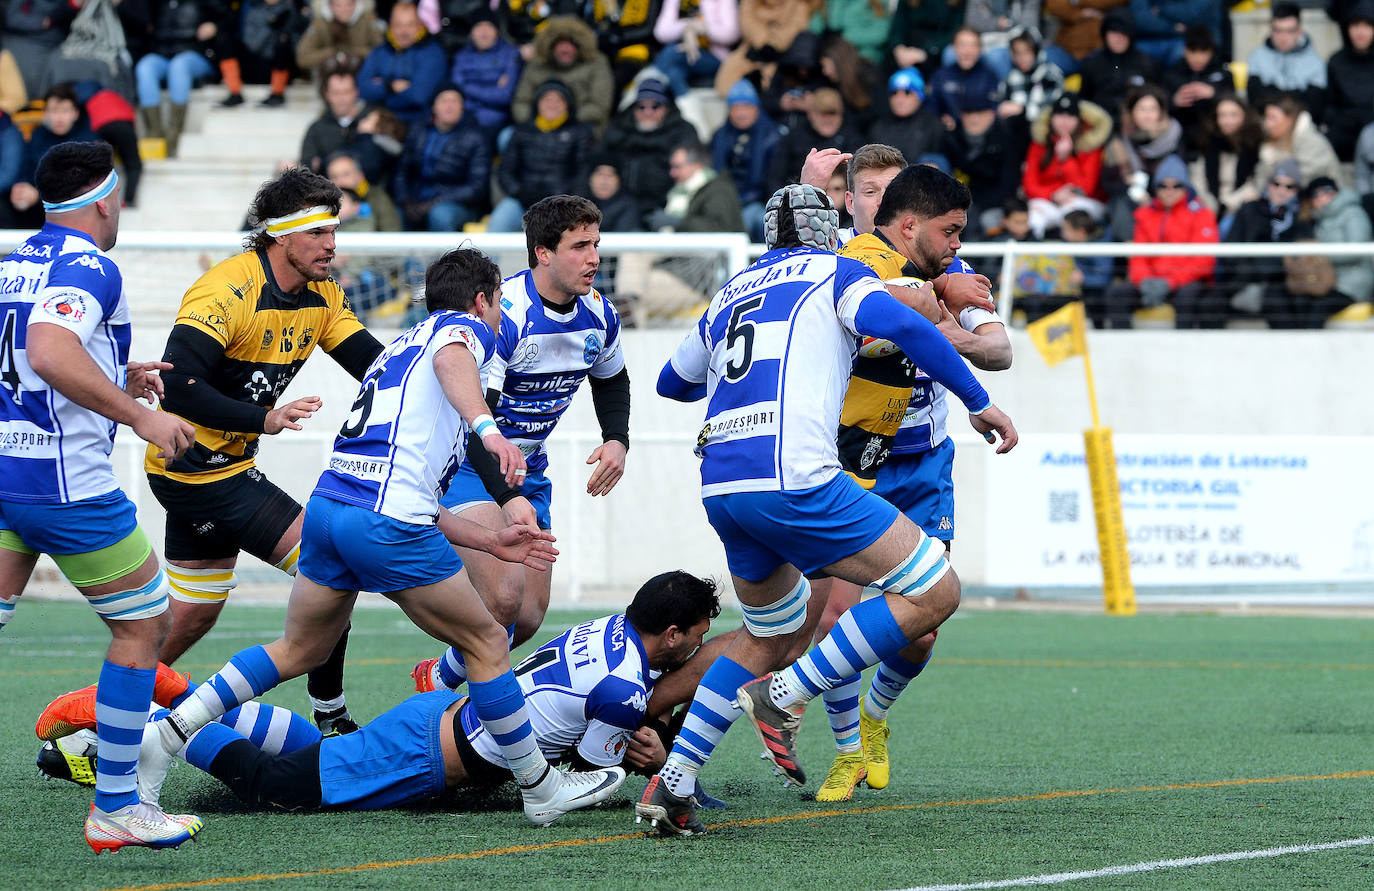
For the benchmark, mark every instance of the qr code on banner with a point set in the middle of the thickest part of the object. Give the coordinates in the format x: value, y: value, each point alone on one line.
x: 1064, y: 506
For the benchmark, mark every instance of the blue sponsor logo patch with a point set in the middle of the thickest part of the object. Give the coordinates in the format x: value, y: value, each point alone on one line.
x: 591, y: 349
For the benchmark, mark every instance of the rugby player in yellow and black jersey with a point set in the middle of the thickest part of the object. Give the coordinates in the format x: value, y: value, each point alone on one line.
x: 243, y: 332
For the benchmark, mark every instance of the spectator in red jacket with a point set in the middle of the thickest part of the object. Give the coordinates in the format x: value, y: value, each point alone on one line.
x: 1064, y: 164
x: 1173, y: 216
x: 112, y: 118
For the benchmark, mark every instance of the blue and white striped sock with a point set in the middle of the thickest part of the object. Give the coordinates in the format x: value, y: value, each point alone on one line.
x: 121, y: 709
x: 452, y: 671
x: 712, y: 712
x: 271, y: 728
x: 275, y: 730
x: 500, y: 706
x: 249, y: 674
x: 866, y: 634
x: 842, y: 707
x: 891, y: 678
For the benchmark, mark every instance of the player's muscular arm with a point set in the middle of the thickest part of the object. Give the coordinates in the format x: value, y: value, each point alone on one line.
x: 356, y: 353
x: 987, y: 346
x: 187, y: 390
x: 487, y: 467
x: 57, y: 355
x: 527, y: 545
x: 456, y: 368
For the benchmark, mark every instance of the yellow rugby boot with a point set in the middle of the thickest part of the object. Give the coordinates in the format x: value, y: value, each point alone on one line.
x: 846, y: 772
x: 873, y: 735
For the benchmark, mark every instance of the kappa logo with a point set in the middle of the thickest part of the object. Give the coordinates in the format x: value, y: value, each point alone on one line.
x: 205, y: 528
x: 945, y: 525
x: 91, y: 261
x: 217, y: 458
x: 639, y: 702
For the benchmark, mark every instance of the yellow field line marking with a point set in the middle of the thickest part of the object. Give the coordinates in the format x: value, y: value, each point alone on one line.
x: 1096, y: 663
x: 953, y: 662
x: 761, y: 821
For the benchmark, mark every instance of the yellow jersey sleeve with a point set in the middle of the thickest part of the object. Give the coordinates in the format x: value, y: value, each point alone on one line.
x: 342, y: 323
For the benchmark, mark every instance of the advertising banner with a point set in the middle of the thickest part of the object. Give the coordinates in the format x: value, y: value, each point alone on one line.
x: 1199, y: 510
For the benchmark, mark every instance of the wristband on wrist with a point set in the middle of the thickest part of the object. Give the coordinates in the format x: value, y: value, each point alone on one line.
x: 484, y: 426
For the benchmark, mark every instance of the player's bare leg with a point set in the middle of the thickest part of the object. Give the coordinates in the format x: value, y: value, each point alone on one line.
x: 501, y: 586
x: 920, y: 590
x: 534, y: 605
x: 16, y: 569
x: 118, y: 817
x: 775, y: 615
x: 192, y: 620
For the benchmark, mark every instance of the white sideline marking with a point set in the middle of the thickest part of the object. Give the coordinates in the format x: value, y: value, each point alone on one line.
x: 1058, y: 878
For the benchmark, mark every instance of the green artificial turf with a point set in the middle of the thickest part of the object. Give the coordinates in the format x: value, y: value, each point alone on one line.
x: 1034, y: 744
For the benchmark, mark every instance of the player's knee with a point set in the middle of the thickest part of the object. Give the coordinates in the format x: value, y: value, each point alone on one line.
x: 504, y: 601
x: 207, y: 587
x: 945, y: 594
x: 531, y: 617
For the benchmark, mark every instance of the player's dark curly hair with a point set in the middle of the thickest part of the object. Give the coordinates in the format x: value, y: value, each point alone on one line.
x: 294, y: 189
x: 924, y: 191
x: 453, y: 281
x: 72, y: 168
x: 673, y: 598
x: 549, y: 218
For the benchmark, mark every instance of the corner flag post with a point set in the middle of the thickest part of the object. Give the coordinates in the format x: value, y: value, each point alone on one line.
x: 1058, y: 336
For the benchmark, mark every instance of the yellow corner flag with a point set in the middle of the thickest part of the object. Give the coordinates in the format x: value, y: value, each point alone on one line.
x: 1059, y: 335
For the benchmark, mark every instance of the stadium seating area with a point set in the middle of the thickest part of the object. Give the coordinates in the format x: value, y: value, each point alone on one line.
x: 1092, y: 121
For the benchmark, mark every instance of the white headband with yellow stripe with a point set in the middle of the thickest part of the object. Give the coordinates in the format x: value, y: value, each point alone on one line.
x: 311, y: 218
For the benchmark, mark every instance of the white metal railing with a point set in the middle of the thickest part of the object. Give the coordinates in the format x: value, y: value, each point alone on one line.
x: 736, y: 246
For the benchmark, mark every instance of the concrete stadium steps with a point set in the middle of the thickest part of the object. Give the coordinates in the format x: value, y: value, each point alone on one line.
x: 225, y: 154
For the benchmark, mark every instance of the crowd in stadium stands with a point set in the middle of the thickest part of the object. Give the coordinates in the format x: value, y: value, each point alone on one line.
x: 1074, y: 120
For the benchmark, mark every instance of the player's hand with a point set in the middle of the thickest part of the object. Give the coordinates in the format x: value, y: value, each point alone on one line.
x: 141, y: 380
x: 519, y: 512
x: 512, y: 460
x: 995, y: 421
x: 284, y: 417
x: 962, y: 290
x: 400, y: 85
x: 820, y: 165
x: 170, y: 434
x: 528, y: 545
x: 644, y: 753
x: 610, y: 460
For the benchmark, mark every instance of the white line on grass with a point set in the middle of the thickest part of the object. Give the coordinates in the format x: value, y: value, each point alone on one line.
x: 1058, y: 878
